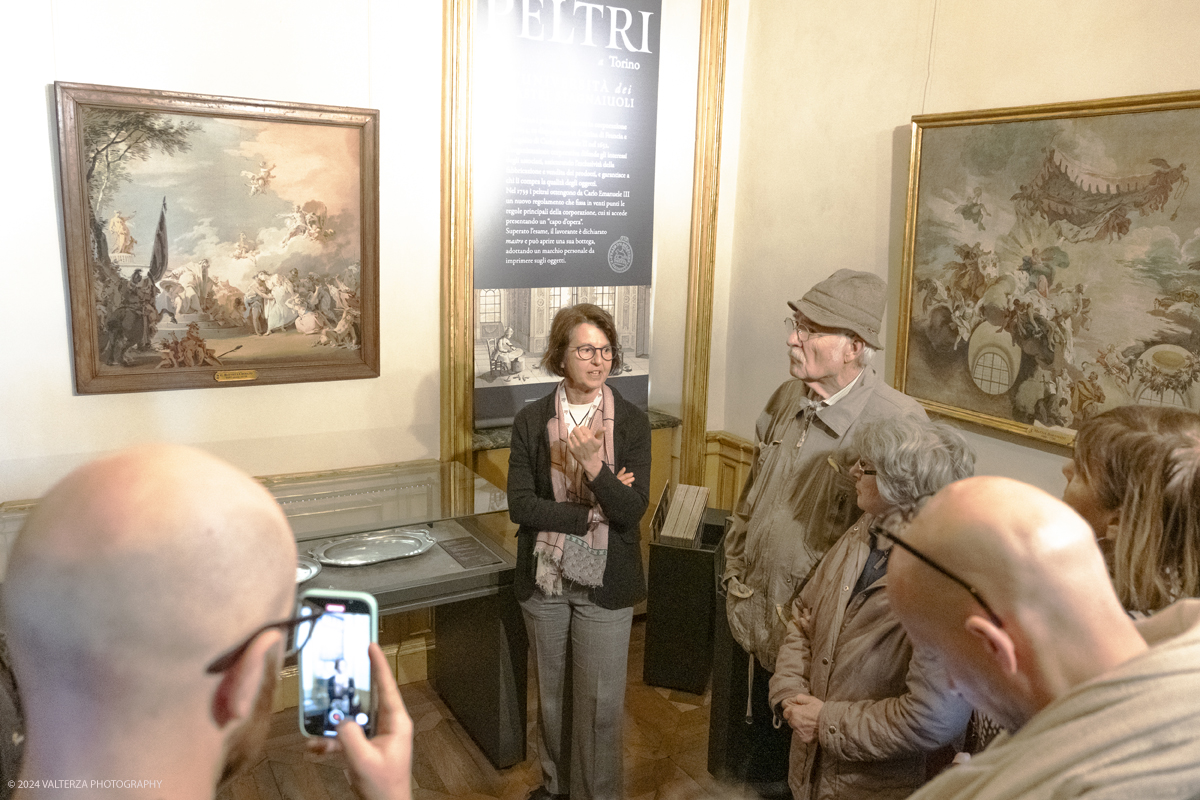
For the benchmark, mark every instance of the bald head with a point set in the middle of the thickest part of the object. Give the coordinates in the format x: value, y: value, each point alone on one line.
x: 1036, y: 564
x: 137, y: 570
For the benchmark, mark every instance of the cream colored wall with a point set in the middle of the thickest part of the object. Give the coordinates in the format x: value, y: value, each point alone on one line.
x: 829, y: 92
x: 815, y: 149
x: 379, y: 54
x: 369, y: 53
x: 679, y: 50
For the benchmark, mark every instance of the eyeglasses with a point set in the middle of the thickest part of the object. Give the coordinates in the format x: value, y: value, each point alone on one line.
x: 863, y: 469
x: 586, y: 352
x: 295, y: 632
x: 803, y: 332
x: 879, y: 530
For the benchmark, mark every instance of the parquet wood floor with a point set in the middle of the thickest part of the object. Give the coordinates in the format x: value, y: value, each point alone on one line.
x: 666, y: 741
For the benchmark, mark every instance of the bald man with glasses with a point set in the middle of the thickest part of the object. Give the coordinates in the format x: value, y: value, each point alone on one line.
x: 1007, y: 586
x: 149, y: 602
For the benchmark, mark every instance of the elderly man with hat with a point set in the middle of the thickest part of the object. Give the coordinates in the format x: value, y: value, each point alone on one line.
x: 800, y: 497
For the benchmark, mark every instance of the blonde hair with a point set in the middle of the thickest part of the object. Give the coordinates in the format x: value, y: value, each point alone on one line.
x: 1144, y: 462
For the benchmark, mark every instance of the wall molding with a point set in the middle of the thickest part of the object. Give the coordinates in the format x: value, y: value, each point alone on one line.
x: 702, y: 251
x: 457, y: 268
x: 727, y: 462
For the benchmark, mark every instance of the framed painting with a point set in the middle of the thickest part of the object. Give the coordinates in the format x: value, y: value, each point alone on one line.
x: 217, y: 241
x: 1052, y: 263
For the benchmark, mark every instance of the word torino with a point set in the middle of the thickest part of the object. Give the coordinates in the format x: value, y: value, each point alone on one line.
x: 561, y: 27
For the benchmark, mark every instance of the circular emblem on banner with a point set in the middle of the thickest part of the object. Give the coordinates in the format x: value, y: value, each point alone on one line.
x: 620, y: 255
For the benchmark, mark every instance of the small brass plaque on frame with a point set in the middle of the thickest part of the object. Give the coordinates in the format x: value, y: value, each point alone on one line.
x: 236, y: 375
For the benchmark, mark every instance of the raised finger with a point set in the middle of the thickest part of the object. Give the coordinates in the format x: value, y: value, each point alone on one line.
x: 392, y: 713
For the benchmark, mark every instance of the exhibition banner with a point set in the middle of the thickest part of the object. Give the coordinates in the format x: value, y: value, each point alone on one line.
x: 563, y: 145
x: 565, y: 100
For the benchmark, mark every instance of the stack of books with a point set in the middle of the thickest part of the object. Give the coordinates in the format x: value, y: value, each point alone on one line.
x: 679, y: 518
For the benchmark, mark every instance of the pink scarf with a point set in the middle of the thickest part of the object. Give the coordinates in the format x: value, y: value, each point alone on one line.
x: 559, y: 555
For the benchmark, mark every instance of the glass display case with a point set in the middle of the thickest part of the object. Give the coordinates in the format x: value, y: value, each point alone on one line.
x: 478, y: 664
x: 323, y: 504
x: 466, y: 516
x: 473, y: 549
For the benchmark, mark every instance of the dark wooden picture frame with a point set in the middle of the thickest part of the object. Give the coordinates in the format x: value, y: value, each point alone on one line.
x: 245, y: 239
x: 1052, y: 263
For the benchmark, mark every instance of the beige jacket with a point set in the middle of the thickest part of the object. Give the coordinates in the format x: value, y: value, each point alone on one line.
x: 1129, y: 734
x: 884, y: 709
x: 796, y: 503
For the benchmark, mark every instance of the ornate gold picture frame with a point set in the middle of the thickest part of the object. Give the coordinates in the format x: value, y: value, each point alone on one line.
x: 1052, y: 263
x: 216, y: 241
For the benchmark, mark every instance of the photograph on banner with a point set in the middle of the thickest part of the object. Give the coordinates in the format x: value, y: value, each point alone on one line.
x: 512, y: 332
x: 513, y: 328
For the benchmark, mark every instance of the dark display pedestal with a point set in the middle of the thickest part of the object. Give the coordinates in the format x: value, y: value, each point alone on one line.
x: 479, y: 668
x: 679, y: 610
x: 679, y: 618
x: 727, y: 738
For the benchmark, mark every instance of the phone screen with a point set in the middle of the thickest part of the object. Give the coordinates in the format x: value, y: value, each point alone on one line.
x: 335, y: 671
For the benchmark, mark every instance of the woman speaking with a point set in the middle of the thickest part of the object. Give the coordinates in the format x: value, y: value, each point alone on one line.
x: 578, y: 478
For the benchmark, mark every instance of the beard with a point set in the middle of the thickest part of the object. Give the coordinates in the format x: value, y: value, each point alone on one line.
x: 246, y: 743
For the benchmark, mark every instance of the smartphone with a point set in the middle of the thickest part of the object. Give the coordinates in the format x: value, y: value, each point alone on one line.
x: 335, y: 670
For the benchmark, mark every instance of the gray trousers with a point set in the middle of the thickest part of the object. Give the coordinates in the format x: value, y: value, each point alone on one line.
x: 580, y: 712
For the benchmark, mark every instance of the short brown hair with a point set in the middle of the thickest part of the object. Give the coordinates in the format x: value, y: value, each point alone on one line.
x: 1144, y: 462
x: 565, y: 322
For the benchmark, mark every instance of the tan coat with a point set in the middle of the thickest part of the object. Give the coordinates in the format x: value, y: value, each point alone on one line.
x: 796, y: 503
x: 884, y: 709
x: 1129, y: 734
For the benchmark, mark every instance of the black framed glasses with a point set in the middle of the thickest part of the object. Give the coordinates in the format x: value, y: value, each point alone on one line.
x: 803, y: 332
x: 586, y: 352
x: 295, y: 632
x: 879, y: 530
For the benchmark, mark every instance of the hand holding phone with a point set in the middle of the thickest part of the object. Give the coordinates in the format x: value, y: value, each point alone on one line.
x: 335, y: 670
x: 380, y: 768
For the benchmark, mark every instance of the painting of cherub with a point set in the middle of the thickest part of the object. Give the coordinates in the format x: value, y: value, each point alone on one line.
x: 210, y: 237
x: 1052, y: 263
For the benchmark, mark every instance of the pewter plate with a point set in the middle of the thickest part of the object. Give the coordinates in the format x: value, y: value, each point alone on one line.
x: 374, y: 547
x: 306, y: 568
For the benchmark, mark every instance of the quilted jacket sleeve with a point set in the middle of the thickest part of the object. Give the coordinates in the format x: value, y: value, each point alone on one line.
x: 925, y: 717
